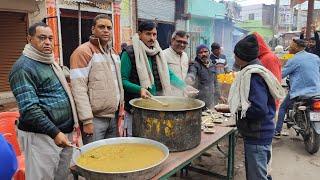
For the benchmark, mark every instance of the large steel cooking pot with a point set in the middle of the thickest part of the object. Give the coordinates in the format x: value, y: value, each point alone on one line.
x: 146, y: 173
x: 178, y: 125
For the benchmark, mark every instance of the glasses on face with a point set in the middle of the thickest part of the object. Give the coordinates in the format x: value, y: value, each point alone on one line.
x: 182, y: 42
x: 42, y: 38
x: 102, y: 27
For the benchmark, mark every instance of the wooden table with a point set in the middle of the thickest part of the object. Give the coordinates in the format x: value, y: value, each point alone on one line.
x: 178, y: 160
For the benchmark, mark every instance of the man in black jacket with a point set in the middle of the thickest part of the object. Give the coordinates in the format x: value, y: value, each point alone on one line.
x: 313, y: 45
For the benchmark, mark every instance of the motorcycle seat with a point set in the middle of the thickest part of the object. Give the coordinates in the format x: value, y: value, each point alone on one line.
x: 301, y: 98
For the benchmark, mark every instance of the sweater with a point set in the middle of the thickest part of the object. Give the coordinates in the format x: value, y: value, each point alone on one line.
x: 257, y: 127
x: 43, y: 103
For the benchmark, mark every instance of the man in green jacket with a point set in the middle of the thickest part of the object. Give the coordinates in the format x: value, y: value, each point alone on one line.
x: 144, y: 71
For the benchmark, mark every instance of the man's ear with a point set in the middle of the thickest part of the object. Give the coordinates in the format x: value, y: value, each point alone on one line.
x: 29, y: 38
x: 171, y: 41
x: 92, y: 29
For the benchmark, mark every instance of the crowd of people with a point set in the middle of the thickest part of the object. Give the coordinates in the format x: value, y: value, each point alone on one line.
x: 54, y: 114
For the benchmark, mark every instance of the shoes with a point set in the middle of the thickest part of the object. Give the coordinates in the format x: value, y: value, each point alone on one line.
x: 277, y: 135
x: 284, y: 134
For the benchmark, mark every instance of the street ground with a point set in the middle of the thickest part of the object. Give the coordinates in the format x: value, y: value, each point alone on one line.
x: 290, y: 161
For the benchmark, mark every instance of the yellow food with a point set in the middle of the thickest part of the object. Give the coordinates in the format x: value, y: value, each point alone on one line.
x: 147, y: 103
x: 120, y: 157
x: 226, y: 78
x: 286, y: 57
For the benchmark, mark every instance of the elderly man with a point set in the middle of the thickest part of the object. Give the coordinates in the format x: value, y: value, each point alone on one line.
x: 144, y: 69
x: 47, y: 110
x: 96, y: 82
x: 202, y: 74
x: 177, y: 59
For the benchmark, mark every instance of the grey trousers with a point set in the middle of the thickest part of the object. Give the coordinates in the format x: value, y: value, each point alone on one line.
x: 103, y: 128
x: 44, y: 160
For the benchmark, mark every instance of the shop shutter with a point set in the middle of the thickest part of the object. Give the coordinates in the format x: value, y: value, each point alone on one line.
x: 163, y: 10
x: 13, y: 33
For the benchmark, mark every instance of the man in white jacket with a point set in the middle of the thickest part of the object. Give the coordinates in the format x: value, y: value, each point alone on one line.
x: 177, y: 59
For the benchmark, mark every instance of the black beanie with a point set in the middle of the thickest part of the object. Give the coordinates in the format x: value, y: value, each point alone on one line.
x: 247, y: 49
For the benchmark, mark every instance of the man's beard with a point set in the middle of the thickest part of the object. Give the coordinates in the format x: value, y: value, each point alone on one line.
x: 204, y: 59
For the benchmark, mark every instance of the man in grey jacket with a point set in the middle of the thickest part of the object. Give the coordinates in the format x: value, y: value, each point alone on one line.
x: 202, y: 75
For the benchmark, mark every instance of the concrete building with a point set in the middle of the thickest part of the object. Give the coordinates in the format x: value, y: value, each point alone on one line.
x: 259, y: 12
x: 201, y: 24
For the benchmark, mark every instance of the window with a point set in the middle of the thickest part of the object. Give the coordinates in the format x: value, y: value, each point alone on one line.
x: 251, y: 16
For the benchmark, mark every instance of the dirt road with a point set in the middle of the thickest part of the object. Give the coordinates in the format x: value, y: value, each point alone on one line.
x: 292, y: 162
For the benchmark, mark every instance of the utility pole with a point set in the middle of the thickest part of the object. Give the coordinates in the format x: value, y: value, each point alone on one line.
x: 275, y: 23
x: 276, y: 17
x: 309, y: 18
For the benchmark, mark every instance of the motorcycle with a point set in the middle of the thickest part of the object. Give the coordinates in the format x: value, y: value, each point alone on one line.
x: 304, y: 117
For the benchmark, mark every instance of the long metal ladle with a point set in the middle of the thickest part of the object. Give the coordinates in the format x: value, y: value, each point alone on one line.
x: 160, y: 102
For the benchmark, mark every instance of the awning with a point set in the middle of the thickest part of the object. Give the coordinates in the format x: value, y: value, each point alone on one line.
x: 304, y: 6
x: 18, y: 5
x: 80, y: 1
x: 103, y: 1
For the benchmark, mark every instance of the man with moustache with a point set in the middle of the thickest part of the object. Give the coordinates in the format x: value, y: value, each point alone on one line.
x: 96, y: 82
x: 47, y: 110
x: 202, y: 75
x: 144, y: 69
x: 178, y: 60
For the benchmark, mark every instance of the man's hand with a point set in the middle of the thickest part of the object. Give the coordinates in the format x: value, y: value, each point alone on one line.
x: 189, y: 81
x: 88, y: 129
x: 145, y: 94
x: 190, y: 91
x: 61, y: 140
x: 223, y: 99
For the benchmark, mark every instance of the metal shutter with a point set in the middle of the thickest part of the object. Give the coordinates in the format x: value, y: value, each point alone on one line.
x: 163, y: 10
x: 13, y: 33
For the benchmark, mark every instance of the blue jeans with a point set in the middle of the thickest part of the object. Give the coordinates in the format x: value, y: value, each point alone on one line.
x: 256, y: 160
x: 282, y: 112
